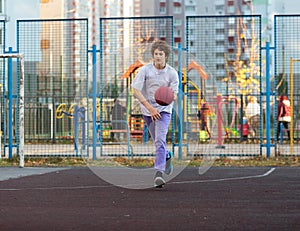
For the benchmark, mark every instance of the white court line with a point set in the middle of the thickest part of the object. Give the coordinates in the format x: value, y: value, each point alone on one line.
x: 176, y: 182
x: 225, y: 179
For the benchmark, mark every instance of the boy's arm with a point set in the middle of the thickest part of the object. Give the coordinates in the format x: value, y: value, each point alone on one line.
x: 153, y: 111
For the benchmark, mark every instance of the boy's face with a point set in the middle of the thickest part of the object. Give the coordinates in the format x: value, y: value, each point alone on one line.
x: 159, y: 58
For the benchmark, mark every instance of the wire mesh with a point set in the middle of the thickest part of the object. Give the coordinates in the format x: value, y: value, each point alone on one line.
x: 227, y: 50
x: 125, y: 46
x: 56, y: 85
x: 223, y: 63
x: 287, y: 73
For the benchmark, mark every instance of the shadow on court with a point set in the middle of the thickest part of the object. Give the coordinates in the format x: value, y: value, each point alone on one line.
x: 224, y: 198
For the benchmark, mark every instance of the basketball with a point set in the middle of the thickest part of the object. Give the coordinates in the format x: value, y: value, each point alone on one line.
x: 164, y: 96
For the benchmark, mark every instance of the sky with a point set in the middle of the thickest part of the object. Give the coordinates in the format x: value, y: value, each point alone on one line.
x: 26, y: 9
x: 29, y: 9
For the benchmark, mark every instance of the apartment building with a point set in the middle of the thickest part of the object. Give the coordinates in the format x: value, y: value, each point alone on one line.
x: 3, y: 16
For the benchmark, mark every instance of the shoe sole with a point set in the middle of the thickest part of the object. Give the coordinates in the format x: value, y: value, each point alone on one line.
x: 159, y: 182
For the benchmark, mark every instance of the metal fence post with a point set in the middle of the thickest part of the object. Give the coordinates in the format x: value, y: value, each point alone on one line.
x: 180, y: 98
x: 94, y: 95
x: 268, y: 95
x: 10, y: 105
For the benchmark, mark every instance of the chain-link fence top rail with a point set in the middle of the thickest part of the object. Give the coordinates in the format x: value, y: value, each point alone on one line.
x: 287, y: 71
x: 56, y: 73
x: 227, y: 49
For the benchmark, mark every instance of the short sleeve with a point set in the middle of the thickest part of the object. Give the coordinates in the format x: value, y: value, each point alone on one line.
x: 139, y: 80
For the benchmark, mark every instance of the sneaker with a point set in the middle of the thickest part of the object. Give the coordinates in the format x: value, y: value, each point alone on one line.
x: 169, y: 166
x: 159, y: 181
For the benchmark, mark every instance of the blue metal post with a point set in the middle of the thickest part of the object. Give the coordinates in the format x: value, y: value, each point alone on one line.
x: 180, y: 105
x: 281, y: 135
x: 10, y: 104
x: 94, y: 95
x: 76, y: 125
x: 145, y: 137
x: 268, y: 106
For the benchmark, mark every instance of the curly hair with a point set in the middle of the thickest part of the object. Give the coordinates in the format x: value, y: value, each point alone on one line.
x: 162, y: 46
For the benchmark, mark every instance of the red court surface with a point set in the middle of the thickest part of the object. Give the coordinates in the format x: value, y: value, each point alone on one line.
x: 224, y: 198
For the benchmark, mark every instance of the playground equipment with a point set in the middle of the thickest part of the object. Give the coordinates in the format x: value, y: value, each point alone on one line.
x: 201, y: 104
x: 77, y: 113
x: 137, y: 128
x: 220, y: 100
x: 292, y: 129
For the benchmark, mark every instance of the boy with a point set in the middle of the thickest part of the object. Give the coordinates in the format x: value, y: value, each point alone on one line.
x: 157, y: 117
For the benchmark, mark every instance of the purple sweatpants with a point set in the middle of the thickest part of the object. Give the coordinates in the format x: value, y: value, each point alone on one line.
x: 158, y: 130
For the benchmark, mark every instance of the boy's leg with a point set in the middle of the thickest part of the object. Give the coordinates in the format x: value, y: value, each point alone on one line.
x: 158, y: 130
x: 161, y: 130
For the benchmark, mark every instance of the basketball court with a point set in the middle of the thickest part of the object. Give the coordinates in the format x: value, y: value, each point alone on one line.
x: 224, y: 198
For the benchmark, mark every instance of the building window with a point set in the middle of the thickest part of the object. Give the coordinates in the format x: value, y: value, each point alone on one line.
x: 162, y: 22
x: 178, y: 33
x: 231, y: 43
x: 190, y: 9
x: 220, y: 55
x: 231, y: 32
x: 220, y: 31
x: 162, y: 33
x: 220, y: 67
x: 177, y: 9
x: 220, y: 43
x: 230, y: 9
x: 219, y: 8
x: 162, y: 10
x: 231, y: 20
x: 178, y: 22
x: 1, y: 36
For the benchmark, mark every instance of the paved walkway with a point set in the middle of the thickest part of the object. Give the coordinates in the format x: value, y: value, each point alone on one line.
x: 16, y: 172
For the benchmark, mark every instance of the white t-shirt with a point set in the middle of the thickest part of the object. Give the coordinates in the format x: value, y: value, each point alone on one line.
x: 149, y: 79
x: 252, y: 109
